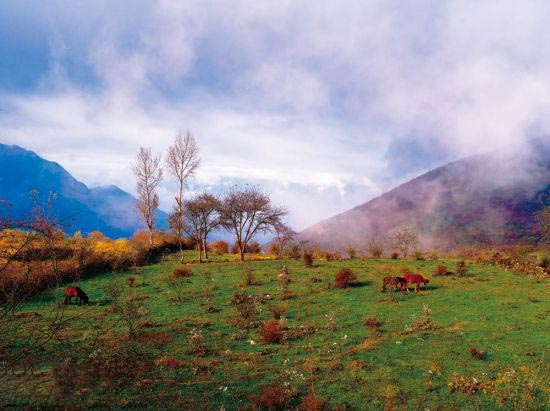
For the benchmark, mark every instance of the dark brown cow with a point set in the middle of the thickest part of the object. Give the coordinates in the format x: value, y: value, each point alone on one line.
x: 77, y: 292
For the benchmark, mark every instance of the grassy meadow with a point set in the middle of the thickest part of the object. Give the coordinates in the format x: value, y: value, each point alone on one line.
x: 414, y: 353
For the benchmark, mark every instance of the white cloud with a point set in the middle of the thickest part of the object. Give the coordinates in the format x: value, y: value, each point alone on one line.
x: 309, y: 101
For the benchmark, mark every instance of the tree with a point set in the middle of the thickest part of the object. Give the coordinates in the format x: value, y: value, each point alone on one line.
x: 248, y: 212
x: 149, y: 175
x: 209, y: 208
x: 375, y: 247
x: 283, y: 236
x: 543, y: 221
x: 405, y: 239
x: 182, y: 161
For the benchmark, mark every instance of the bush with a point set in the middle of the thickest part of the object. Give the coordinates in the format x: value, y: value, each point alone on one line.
x: 545, y: 263
x: 312, y: 402
x: 421, y: 324
x: 372, y: 322
x: 271, y: 332
x: 278, y: 312
x: 461, y: 269
x: 332, y: 256
x: 441, y: 270
x: 245, y: 305
x: 272, y: 397
x: 248, y: 275
x: 177, y: 285
x: 182, y: 273
x: 418, y: 255
x: 307, y: 259
x: 254, y: 247
x: 274, y: 249
x: 375, y: 247
x: 220, y: 247
x: 292, y: 251
x: 114, y: 289
x: 344, y: 278
x: 352, y: 252
x: 476, y: 353
x: 394, y: 256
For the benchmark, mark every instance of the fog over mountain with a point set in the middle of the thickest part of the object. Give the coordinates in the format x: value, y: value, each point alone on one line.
x: 484, y: 199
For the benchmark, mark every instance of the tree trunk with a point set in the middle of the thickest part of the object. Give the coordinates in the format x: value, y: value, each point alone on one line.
x: 241, y: 250
x: 199, y: 249
x: 181, y: 248
x: 150, y: 238
x: 205, y: 247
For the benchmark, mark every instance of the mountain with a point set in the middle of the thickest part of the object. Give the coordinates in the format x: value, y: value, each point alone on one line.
x: 482, y: 200
x: 107, y: 209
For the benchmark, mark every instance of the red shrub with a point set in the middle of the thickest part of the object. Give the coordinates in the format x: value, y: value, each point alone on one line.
x: 344, y: 278
x: 271, y: 332
x: 272, y: 397
x: 254, y: 247
x: 394, y: 256
x: 311, y: 402
x: 182, y: 273
x: 441, y: 270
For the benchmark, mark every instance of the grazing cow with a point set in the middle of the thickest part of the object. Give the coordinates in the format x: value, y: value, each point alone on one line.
x: 398, y: 283
x: 77, y: 292
x: 416, y: 279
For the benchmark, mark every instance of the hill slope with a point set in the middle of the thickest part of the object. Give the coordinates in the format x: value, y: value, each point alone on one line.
x: 108, y: 209
x: 486, y: 199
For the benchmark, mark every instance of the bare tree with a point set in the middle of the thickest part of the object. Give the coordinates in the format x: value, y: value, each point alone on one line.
x: 209, y: 208
x: 375, y: 247
x: 182, y: 161
x: 190, y: 222
x: 149, y: 175
x: 248, y: 212
x: 283, y: 236
x: 405, y: 239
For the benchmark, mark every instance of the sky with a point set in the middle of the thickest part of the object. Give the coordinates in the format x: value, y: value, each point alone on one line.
x: 324, y: 105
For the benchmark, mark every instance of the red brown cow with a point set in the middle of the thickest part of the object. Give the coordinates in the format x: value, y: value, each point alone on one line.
x: 416, y: 279
x: 398, y: 283
x: 77, y: 292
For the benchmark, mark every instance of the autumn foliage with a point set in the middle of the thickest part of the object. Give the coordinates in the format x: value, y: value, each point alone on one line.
x: 344, y: 278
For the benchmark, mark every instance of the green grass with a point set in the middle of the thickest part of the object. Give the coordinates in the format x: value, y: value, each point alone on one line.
x: 504, y: 314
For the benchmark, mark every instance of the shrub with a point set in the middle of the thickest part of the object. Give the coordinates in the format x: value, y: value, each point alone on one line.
x: 271, y: 332
x: 461, y: 269
x: 277, y: 312
x: 421, y: 324
x: 394, y: 256
x: 177, y: 285
x: 476, y: 353
x: 133, y: 316
x: 545, y: 263
x: 245, y: 305
x: 418, y: 255
x: 441, y: 270
x: 372, y: 322
x: 195, y: 343
x: 131, y: 281
x: 375, y: 247
x: 333, y: 256
x: 274, y: 249
x: 344, y: 278
x: 114, y: 289
x: 351, y: 252
x: 182, y: 273
x: 292, y: 251
x: 220, y: 247
x: 312, y: 402
x: 307, y: 259
x: 272, y: 397
x: 254, y: 247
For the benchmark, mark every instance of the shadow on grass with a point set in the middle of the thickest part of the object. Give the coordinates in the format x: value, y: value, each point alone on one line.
x: 359, y: 284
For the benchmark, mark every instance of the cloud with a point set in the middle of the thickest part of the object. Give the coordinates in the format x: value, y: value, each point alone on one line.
x: 324, y: 106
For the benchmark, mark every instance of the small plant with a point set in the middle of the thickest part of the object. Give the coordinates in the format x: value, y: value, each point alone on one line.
x: 272, y: 397
x: 169, y: 362
x: 114, y: 290
x: 418, y: 255
x: 461, y: 269
x: 182, y: 273
x: 421, y: 324
x: 195, y: 343
x: 441, y: 270
x: 284, y: 281
x: 394, y: 256
x: 248, y: 276
x: 271, y: 332
x: 245, y: 305
x: 177, y: 285
x: 331, y: 321
x: 133, y: 316
x: 332, y: 256
x: 307, y: 259
x: 131, y: 281
x: 351, y: 252
x: 312, y: 402
x: 372, y: 322
x: 476, y: 353
x: 278, y: 312
x: 344, y: 278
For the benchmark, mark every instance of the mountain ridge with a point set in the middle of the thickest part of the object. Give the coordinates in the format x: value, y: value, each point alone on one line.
x: 103, y: 208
